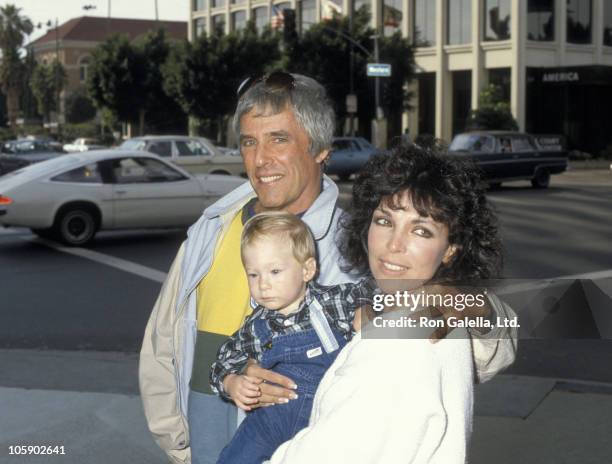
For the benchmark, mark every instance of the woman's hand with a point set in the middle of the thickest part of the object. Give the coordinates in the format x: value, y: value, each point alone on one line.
x: 271, y: 394
x: 243, y: 390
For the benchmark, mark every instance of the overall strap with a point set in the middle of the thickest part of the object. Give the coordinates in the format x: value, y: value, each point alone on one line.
x: 321, y: 327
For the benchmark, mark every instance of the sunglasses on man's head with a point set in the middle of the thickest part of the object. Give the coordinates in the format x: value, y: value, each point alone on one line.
x: 278, y: 80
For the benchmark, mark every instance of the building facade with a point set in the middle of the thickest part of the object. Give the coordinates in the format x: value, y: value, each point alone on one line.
x: 72, y: 43
x: 552, y: 58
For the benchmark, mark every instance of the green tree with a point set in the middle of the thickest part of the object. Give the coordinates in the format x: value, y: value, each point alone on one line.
x: 113, y: 80
x: 13, y: 29
x: 323, y: 52
x: 46, y: 83
x: 203, y: 76
x: 126, y: 79
x: 493, y: 112
x: 79, y: 109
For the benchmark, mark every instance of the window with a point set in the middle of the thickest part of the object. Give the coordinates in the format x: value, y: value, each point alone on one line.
x: 191, y: 148
x: 161, y: 148
x: 501, y: 77
x: 392, y: 16
x: 199, y: 5
x: 424, y: 23
x: 238, y: 20
x: 497, y: 19
x: 339, y: 145
x: 505, y: 144
x: 143, y: 170
x: 199, y: 26
x: 218, y: 23
x: 89, y: 174
x: 473, y: 142
x: 521, y: 144
x: 309, y: 14
x: 217, y: 3
x: 260, y: 16
x: 541, y: 20
x: 359, y: 4
x: 579, y: 21
x: 83, y: 66
x: 459, y: 21
x: 608, y: 24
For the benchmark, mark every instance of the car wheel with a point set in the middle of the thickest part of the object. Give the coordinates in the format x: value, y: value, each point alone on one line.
x: 223, y: 173
x: 43, y: 233
x: 494, y: 185
x: 541, y: 180
x: 75, y: 226
x: 344, y: 177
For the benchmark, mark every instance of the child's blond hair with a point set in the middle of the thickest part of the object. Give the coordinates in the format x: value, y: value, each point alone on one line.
x: 284, y: 225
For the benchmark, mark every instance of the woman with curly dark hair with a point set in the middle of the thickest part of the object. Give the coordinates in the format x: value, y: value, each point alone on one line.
x: 391, y: 396
x: 436, y: 187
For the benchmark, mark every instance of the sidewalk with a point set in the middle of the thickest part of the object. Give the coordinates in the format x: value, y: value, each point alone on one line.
x: 88, y: 403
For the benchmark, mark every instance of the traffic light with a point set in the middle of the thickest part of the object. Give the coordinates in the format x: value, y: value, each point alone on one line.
x: 289, y: 30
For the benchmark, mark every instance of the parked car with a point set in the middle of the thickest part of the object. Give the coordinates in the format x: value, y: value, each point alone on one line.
x: 23, y: 152
x: 505, y: 156
x: 73, y: 196
x: 195, y: 154
x: 348, y: 156
x: 83, y: 144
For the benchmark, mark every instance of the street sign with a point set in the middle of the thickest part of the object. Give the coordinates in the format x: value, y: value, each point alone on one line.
x: 379, y: 70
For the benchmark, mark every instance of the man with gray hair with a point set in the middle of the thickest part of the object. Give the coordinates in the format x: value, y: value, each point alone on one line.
x: 285, y: 124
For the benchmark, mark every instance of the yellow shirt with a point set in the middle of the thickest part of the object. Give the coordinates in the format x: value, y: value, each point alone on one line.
x: 222, y: 303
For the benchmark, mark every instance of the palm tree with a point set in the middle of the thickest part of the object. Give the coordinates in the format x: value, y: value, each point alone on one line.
x: 13, y: 30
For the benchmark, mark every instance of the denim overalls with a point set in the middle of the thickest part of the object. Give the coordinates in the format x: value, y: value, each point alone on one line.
x: 299, y: 356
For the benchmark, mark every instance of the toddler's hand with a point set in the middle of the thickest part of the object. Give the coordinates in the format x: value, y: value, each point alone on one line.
x: 243, y: 390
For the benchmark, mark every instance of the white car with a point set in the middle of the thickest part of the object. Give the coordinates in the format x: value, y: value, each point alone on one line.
x: 194, y: 154
x: 82, y: 145
x: 73, y: 196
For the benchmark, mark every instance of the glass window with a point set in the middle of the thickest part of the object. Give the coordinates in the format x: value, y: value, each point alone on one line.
x: 424, y: 23
x: 309, y: 14
x: 338, y: 145
x: 260, y: 16
x: 89, y: 174
x: 541, y: 20
x: 392, y: 16
x: 217, y: 3
x: 608, y: 24
x: 459, y: 21
x: 218, y: 23
x: 497, y: 19
x: 473, y: 142
x: 191, y: 148
x: 521, y: 144
x: 505, y: 144
x: 199, y: 26
x: 237, y: 2
x: 501, y: 77
x: 579, y: 21
x: 199, y: 5
x: 161, y: 148
x: 238, y: 20
x: 143, y: 170
x: 133, y: 145
x: 83, y: 65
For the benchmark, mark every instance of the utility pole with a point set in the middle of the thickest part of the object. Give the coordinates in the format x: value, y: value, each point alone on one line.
x: 351, y: 115
x: 156, y: 12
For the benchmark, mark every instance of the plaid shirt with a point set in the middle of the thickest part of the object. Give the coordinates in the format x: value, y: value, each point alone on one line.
x: 339, y: 303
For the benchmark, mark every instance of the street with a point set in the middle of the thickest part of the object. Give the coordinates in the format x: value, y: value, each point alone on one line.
x: 99, y: 298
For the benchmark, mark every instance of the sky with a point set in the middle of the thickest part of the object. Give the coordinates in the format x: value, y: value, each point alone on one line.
x: 41, y: 11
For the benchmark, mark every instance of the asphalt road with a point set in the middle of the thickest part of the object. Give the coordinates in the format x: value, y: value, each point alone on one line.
x: 100, y: 300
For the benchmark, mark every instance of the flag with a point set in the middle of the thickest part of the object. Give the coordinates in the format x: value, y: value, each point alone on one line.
x: 391, y: 16
x: 330, y: 9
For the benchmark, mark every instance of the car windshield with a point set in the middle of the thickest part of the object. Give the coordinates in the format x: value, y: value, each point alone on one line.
x: 471, y: 142
x: 132, y: 145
